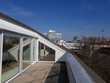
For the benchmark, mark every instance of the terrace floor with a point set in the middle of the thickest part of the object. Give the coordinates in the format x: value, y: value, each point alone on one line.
x: 43, y: 72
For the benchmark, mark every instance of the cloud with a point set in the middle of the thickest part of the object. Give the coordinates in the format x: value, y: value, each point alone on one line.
x: 90, y: 7
x: 86, y: 6
x: 16, y: 10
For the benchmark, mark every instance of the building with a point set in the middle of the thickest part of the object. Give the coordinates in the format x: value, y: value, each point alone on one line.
x: 54, y: 36
x: 70, y: 44
x: 21, y: 47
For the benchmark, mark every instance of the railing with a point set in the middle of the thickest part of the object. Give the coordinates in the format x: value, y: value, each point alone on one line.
x: 78, y: 72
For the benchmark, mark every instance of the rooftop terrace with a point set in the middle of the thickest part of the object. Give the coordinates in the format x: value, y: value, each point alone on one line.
x: 26, y: 56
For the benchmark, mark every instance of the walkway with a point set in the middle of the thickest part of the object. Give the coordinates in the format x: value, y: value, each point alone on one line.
x: 43, y: 72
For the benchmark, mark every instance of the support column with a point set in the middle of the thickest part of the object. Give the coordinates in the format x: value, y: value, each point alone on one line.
x: 1, y: 54
x: 21, y: 54
x: 36, y: 50
x: 32, y: 51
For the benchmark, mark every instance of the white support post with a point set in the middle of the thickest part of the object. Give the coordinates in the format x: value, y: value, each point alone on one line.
x: 21, y: 54
x: 1, y: 54
x: 31, y: 53
x: 36, y: 50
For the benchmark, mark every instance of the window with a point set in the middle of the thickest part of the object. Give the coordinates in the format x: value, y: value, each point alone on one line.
x: 26, y: 52
x: 46, y: 53
x: 17, y: 54
x: 10, y: 58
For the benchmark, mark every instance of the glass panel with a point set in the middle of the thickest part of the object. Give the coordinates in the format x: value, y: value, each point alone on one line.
x: 46, y: 53
x: 10, y: 58
x: 26, y: 53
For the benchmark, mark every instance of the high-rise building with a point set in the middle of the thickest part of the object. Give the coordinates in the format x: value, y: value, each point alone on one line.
x: 54, y: 36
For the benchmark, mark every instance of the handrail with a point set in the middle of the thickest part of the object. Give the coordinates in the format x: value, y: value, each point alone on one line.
x: 78, y: 72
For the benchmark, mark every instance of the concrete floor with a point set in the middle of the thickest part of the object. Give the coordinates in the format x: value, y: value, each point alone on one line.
x: 43, y: 72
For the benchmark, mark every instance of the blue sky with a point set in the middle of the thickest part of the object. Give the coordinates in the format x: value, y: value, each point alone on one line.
x: 70, y: 17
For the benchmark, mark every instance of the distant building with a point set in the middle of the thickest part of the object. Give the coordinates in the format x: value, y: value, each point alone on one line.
x: 61, y: 42
x: 72, y: 45
x: 69, y: 44
x: 54, y: 36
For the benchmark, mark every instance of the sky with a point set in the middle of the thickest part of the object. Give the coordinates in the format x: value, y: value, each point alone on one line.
x: 70, y: 17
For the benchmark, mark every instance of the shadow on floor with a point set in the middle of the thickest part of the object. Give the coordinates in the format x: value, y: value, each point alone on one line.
x: 58, y: 74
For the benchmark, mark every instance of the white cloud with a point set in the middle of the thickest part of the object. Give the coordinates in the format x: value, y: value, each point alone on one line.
x: 16, y: 10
